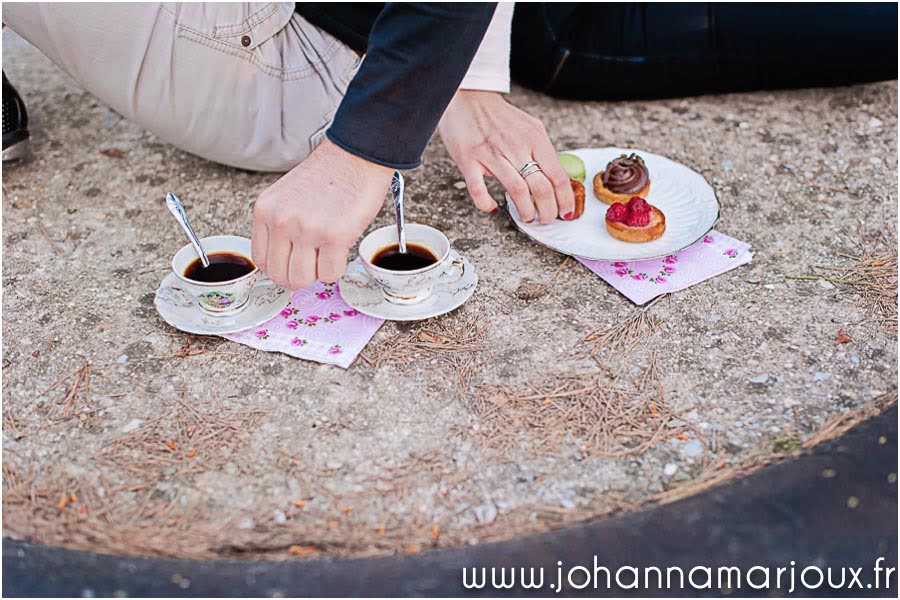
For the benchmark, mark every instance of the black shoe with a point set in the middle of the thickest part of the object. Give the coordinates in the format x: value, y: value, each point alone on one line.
x: 15, y: 124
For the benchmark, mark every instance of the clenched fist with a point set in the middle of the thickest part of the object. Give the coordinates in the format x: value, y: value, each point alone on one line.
x: 305, y: 223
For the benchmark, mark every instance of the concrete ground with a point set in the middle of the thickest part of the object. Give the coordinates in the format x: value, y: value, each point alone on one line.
x: 796, y: 512
x: 298, y: 459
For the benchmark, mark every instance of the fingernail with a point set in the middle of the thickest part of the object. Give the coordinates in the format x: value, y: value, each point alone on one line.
x: 568, y: 216
x: 496, y: 210
x: 531, y: 220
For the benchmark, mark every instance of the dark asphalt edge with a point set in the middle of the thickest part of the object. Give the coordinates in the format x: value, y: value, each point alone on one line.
x: 786, y: 512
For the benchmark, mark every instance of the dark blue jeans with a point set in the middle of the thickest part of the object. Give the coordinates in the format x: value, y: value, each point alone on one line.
x: 630, y: 51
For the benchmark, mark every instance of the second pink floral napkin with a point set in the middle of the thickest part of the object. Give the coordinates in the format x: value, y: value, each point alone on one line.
x: 316, y: 325
x: 643, y: 280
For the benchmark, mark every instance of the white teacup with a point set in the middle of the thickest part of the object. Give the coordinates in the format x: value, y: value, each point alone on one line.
x: 410, y: 287
x: 222, y: 298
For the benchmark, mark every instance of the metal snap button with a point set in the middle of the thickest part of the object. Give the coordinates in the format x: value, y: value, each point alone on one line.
x: 246, y: 41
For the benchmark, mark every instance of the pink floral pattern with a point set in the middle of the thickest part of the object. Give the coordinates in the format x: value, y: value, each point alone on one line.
x: 330, y: 331
x: 641, y: 281
x: 667, y: 268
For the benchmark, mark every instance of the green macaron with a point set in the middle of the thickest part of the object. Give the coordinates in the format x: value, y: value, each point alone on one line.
x: 573, y: 165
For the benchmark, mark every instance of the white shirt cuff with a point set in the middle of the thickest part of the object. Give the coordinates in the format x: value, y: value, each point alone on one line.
x: 489, y: 70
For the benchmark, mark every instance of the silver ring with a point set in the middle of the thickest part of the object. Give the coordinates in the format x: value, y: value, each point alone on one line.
x: 529, y: 168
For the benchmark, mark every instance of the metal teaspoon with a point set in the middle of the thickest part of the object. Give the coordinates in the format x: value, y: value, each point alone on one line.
x: 397, y: 194
x: 177, y: 209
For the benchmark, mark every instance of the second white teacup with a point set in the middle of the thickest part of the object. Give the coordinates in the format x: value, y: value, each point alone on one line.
x: 413, y: 286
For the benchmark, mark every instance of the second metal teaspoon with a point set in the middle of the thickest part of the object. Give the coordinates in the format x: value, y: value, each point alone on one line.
x: 397, y: 194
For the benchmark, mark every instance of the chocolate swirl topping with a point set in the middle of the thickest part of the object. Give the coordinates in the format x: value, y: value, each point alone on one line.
x: 625, y: 174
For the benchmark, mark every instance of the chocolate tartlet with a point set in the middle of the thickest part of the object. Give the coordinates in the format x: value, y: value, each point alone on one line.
x: 624, y: 177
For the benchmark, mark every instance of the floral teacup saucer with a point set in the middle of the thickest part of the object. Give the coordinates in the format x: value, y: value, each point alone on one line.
x: 180, y: 309
x: 362, y: 293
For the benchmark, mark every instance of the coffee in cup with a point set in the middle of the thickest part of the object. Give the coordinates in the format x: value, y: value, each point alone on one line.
x: 415, y: 257
x: 223, y: 266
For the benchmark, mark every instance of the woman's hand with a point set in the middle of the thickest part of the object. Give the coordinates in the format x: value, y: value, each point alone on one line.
x: 486, y: 135
x: 305, y: 223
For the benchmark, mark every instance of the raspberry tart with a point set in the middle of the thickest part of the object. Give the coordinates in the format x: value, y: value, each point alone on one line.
x: 623, y: 178
x: 637, y: 221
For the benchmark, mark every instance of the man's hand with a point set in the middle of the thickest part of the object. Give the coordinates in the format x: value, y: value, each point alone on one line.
x: 486, y: 135
x: 305, y: 223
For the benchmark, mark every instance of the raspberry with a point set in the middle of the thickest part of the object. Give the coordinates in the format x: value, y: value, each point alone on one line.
x: 637, y: 219
x: 638, y: 204
x: 616, y: 213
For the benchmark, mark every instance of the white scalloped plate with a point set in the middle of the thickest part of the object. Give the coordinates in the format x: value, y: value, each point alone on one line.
x: 683, y: 195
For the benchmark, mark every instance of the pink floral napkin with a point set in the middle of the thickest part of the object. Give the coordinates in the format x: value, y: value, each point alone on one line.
x: 316, y: 325
x: 643, y: 280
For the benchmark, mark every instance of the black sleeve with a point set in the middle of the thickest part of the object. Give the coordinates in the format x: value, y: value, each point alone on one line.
x: 418, y: 54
